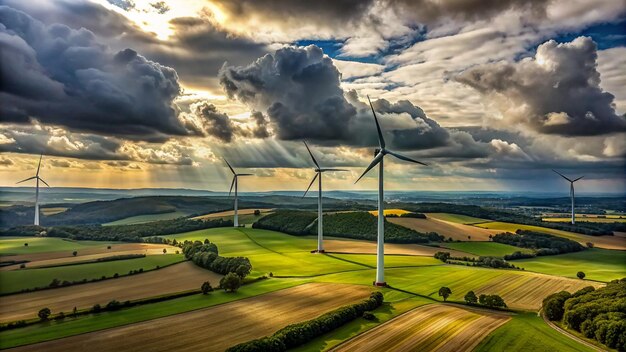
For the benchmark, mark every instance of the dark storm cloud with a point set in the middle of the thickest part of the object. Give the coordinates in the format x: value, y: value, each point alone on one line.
x: 63, y: 76
x: 556, y: 92
x: 299, y: 89
x: 216, y: 124
x: 261, y: 125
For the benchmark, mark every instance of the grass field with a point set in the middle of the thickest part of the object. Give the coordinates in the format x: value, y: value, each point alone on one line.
x: 607, y: 242
x: 492, y: 249
x: 215, y: 329
x: 391, y: 261
x: 434, y: 327
x: 140, y: 219
x: 16, y: 280
x: 175, y: 278
x: 445, y: 228
x: 366, y: 247
x: 528, y: 332
x: 15, y: 245
x: 457, y: 218
x: 598, y: 264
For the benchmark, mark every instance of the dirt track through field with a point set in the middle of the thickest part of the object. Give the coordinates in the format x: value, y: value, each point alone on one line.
x: 232, y: 213
x: 175, y: 278
x: 445, y: 228
x: 363, y: 247
x: 216, y: 328
x: 65, y: 257
x: 435, y: 327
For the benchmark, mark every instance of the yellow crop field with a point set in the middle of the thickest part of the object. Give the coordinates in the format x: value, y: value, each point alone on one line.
x: 397, y: 212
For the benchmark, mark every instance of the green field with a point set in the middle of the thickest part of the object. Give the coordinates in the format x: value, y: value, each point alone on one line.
x: 492, y: 249
x: 510, y: 227
x: 598, y: 264
x: 16, y: 280
x: 140, y: 219
x: 391, y: 261
x: 528, y: 332
x: 457, y: 218
x: 15, y: 245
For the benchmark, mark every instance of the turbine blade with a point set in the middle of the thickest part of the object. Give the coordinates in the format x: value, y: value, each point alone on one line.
x: 402, y: 157
x: 311, y: 154
x: 374, y: 162
x: 28, y: 179
x: 40, y: 179
x: 310, y: 184
x: 381, y: 140
x: 562, y: 175
x: 232, y: 185
x: 39, y: 165
x: 578, y: 179
x: 230, y: 167
x: 323, y: 170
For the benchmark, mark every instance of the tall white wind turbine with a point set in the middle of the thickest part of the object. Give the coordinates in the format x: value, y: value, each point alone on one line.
x: 36, y: 177
x: 571, y: 192
x: 235, y: 183
x: 318, y: 175
x: 378, y: 159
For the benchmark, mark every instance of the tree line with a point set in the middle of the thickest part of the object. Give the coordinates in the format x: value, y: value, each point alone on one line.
x: 124, y: 233
x: 597, y: 314
x: 542, y: 243
x: 205, y: 254
x: 298, y: 334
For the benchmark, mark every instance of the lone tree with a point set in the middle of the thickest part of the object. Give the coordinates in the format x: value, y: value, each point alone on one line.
x: 580, y: 275
x: 257, y: 212
x: 470, y: 298
x: 164, y: 250
x: 26, y: 244
x: 206, y: 287
x: 74, y: 253
x: 231, y: 282
x: 44, y: 313
x: 469, y: 237
x: 445, y: 292
x: 490, y: 237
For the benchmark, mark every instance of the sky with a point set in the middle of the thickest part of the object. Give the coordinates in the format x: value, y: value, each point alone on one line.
x: 492, y: 95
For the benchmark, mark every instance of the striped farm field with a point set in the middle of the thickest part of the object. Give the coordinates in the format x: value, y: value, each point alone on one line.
x: 219, y: 327
x: 434, y: 327
x: 175, y: 278
x: 445, y: 228
x: 456, y: 218
x: 607, y: 242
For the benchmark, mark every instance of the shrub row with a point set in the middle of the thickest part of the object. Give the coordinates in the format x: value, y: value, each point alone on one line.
x: 298, y: 334
x: 206, y: 255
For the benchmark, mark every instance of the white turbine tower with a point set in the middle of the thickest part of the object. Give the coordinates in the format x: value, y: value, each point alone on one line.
x: 36, y: 177
x: 571, y: 192
x: 378, y: 159
x: 318, y: 175
x: 235, y: 183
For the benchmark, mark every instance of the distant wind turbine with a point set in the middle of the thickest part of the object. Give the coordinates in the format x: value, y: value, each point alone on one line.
x: 318, y: 175
x: 36, y: 177
x: 571, y: 192
x: 378, y: 159
x: 235, y: 183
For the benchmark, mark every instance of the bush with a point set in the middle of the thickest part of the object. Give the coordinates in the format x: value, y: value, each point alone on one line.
x: 257, y: 212
x: 231, y: 282
x: 96, y: 308
x: 44, y: 313
x: 205, y: 254
x: 298, y: 334
x: 206, y: 287
x: 553, y: 305
x: 580, y: 275
x: 494, y: 301
x: 443, y: 256
x: 470, y: 298
x: 113, y: 305
x: 369, y: 316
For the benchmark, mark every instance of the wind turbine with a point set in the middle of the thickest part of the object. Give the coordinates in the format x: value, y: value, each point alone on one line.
x: 318, y: 175
x: 571, y: 192
x: 234, y: 183
x: 378, y: 159
x: 36, y: 177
